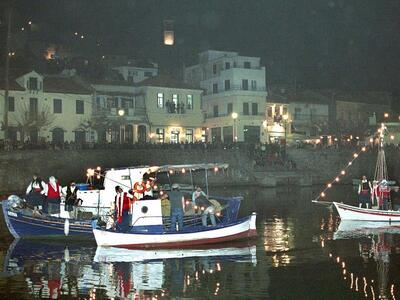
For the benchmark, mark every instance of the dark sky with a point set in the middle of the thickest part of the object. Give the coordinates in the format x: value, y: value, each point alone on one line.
x: 318, y: 43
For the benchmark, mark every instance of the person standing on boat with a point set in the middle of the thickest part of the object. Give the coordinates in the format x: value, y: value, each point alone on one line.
x: 200, y: 199
x: 364, y: 192
x: 176, y: 200
x: 384, y: 195
x: 122, y: 208
x: 35, y: 192
x: 53, y: 193
x: 70, y: 192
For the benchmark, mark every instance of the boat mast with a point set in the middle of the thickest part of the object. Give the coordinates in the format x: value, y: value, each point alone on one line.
x: 381, y: 168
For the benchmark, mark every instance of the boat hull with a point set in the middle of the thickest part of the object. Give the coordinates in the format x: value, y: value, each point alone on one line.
x: 349, y: 212
x: 23, y: 226
x: 242, y: 229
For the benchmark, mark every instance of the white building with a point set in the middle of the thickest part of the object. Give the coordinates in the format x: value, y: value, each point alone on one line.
x: 136, y: 74
x: 47, y: 108
x: 235, y: 95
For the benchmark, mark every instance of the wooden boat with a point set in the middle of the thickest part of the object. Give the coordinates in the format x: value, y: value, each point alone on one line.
x: 22, y: 223
x: 190, y: 236
x: 349, y: 212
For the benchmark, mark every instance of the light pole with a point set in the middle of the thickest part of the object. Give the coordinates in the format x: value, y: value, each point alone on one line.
x: 121, y: 113
x: 285, y: 119
x: 234, y: 129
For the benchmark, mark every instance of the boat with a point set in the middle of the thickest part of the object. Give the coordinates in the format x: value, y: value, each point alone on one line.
x: 357, y: 229
x: 150, y: 229
x: 353, y: 213
x: 23, y: 223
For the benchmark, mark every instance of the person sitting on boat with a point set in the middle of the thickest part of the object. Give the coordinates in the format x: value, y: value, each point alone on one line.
x: 177, y: 201
x: 364, y: 192
x: 384, y: 195
x: 71, y: 199
x: 202, y: 201
x: 122, y: 208
x: 35, y: 192
x: 53, y: 193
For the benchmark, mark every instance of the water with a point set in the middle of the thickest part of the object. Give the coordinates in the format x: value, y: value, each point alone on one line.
x: 296, y: 256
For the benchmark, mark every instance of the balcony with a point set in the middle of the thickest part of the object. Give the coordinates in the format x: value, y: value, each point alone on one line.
x: 241, y: 115
x: 237, y: 88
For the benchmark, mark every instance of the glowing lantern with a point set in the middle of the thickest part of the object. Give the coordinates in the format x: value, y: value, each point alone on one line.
x: 355, y: 155
x: 169, y: 38
x: 343, y: 172
x: 363, y: 149
x: 322, y: 194
x: 216, y: 169
x: 337, y: 179
x: 329, y: 185
x: 183, y: 170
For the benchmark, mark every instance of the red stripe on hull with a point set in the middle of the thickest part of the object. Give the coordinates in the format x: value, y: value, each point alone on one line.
x: 251, y: 233
x: 383, y: 214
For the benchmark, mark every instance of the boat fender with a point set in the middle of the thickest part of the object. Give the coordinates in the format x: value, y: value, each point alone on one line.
x: 139, y: 187
x: 66, y: 227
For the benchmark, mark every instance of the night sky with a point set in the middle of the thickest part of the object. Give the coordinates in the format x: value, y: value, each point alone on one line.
x: 317, y: 43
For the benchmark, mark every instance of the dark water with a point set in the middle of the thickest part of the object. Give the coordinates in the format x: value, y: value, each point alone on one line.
x: 294, y: 257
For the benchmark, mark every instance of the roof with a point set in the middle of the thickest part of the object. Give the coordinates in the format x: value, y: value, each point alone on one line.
x: 12, y: 85
x: 113, y: 82
x: 64, y: 85
x: 167, y: 81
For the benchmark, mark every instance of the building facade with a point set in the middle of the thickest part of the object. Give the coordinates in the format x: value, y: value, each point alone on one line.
x: 136, y: 74
x: 47, y: 108
x: 234, y: 98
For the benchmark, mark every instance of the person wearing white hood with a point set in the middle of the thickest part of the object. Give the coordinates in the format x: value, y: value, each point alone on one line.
x: 53, y: 193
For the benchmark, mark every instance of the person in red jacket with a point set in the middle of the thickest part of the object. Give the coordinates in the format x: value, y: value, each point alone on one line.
x: 51, y: 205
x: 122, y: 208
x: 384, y: 195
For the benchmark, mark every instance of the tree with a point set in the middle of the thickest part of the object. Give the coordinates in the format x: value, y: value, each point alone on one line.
x: 28, y: 121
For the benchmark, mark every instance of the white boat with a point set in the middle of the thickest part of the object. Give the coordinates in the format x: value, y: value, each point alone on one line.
x: 190, y: 236
x: 349, y: 212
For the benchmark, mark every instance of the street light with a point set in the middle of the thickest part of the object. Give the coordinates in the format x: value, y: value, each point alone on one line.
x: 121, y: 113
x: 386, y: 115
x: 234, y: 117
x: 285, y: 119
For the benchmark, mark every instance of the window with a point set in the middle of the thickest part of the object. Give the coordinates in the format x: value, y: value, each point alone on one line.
x: 254, y: 109
x: 247, y: 65
x: 245, y: 84
x: 160, y: 100
x: 229, y: 109
x: 57, y: 106
x: 227, y: 85
x: 80, y: 108
x: 33, y: 106
x: 175, y: 99
x: 80, y: 136
x: 227, y: 65
x: 215, y: 111
x: 189, y: 101
x: 214, y: 69
x: 297, y: 113
x: 215, y: 88
x: 174, y: 136
x: 254, y: 85
x: 33, y: 83
x: 160, y: 135
x: 126, y: 103
x: 11, y: 104
x: 245, y: 108
x: 189, y: 135
x: 148, y: 74
x: 130, y: 78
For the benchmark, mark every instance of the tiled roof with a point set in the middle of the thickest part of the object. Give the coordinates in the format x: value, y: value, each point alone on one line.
x: 166, y: 81
x: 64, y: 85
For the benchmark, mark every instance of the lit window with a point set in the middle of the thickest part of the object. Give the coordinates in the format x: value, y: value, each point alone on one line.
x: 160, y: 100
x: 189, y: 135
x: 160, y: 135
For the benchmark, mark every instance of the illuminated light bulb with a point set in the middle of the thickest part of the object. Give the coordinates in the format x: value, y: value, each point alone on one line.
x: 329, y: 185
x: 343, y: 172
x: 218, y: 214
x: 183, y: 170
x: 187, y: 202
x: 392, y: 137
x: 350, y: 163
x: 363, y: 149
x: 322, y: 194
x: 98, y: 177
x: 98, y: 168
x: 216, y: 169
x: 156, y: 187
x: 196, y: 207
x: 337, y: 179
x: 202, y: 208
x: 87, y: 174
x: 171, y: 171
x: 161, y: 193
x: 371, y: 140
x: 355, y: 155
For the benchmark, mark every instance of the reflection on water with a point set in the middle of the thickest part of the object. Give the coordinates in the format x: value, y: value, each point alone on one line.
x: 302, y: 252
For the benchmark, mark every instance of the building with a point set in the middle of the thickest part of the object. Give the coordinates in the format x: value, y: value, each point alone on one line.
x: 173, y: 109
x: 119, y: 112
x: 136, y: 74
x: 235, y: 94
x: 47, y: 108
